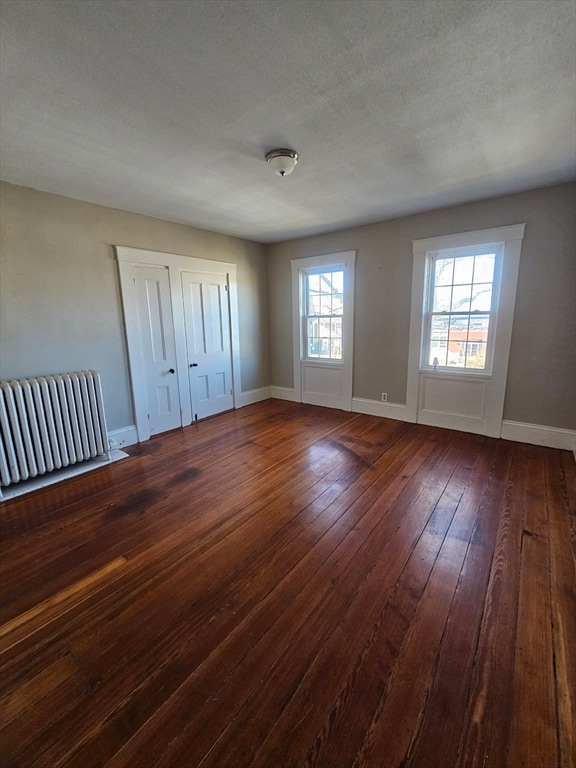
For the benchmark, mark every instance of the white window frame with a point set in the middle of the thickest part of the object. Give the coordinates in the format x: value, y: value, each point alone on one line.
x: 510, y: 237
x: 300, y: 267
x: 475, y: 250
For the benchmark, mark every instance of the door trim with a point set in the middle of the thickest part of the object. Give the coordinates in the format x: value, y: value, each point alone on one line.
x: 128, y: 258
x: 511, y: 239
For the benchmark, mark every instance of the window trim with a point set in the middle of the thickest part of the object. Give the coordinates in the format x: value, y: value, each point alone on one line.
x: 345, y: 260
x: 511, y: 239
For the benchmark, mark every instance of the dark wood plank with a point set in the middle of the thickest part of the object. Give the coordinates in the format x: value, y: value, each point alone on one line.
x: 403, y: 704
x: 342, y: 679
x: 356, y: 581
x: 163, y: 489
x: 484, y: 736
x: 157, y: 675
x: 533, y: 736
x: 563, y: 601
x: 437, y: 741
x: 264, y: 630
x: 286, y: 586
x: 198, y: 499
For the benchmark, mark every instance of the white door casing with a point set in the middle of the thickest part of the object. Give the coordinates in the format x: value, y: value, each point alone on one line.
x: 157, y: 347
x: 464, y: 400
x: 207, y: 325
x: 128, y: 260
x: 323, y: 382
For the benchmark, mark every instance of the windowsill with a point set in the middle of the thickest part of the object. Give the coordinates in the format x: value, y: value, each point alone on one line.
x: 322, y: 361
x: 457, y: 372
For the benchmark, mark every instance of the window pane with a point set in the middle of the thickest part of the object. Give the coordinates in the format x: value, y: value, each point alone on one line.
x: 313, y: 304
x: 484, y: 268
x: 461, y: 298
x: 439, y: 326
x: 458, y: 341
x: 482, y: 297
x: 476, y: 355
x: 324, y: 310
x: 443, y: 270
x: 463, y: 269
x: 477, y: 342
x: 480, y: 323
x: 442, y: 299
x: 314, y: 283
x: 325, y: 293
x: 462, y: 286
x: 324, y: 324
x: 325, y: 304
x: 313, y: 346
x: 438, y: 352
x: 458, y: 324
x: 327, y: 282
x: 457, y: 337
x: 338, y: 281
x: 336, y: 349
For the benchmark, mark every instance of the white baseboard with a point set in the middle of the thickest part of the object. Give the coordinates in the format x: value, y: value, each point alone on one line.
x: 535, y: 434
x: 255, y: 396
x: 283, y: 393
x: 123, y: 436
x: 376, y: 408
x: 359, y: 404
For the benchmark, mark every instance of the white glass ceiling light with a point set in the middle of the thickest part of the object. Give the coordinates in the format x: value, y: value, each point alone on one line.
x: 282, y: 161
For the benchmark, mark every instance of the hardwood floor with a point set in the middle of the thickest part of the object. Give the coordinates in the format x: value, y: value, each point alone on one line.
x: 286, y: 586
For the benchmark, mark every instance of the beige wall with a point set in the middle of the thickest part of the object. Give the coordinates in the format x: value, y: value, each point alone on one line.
x: 60, y: 305
x: 542, y: 371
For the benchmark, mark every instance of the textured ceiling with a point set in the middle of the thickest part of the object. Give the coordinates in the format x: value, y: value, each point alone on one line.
x: 167, y: 107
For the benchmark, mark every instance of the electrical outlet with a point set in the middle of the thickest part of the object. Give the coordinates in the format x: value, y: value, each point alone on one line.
x: 384, y: 397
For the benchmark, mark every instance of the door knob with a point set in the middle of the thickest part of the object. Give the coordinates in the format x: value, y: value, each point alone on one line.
x: 193, y: 365
x: 171, y: 370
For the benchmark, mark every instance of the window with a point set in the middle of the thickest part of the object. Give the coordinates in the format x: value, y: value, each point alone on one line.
x: 458, y: 308
x: 323, y: 328
x: 463, y: 293
x: 324, y: 307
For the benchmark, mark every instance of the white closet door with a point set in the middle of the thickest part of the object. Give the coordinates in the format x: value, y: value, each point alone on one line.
x: 181, y: 315
x: 207, y: 326
x: 158, y: 349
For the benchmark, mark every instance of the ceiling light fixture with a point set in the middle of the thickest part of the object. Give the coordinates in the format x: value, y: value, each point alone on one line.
x: 282, y: 161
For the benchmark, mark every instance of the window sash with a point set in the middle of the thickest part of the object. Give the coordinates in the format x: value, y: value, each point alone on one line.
x: 451, y: 348
x: 327, y: 342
